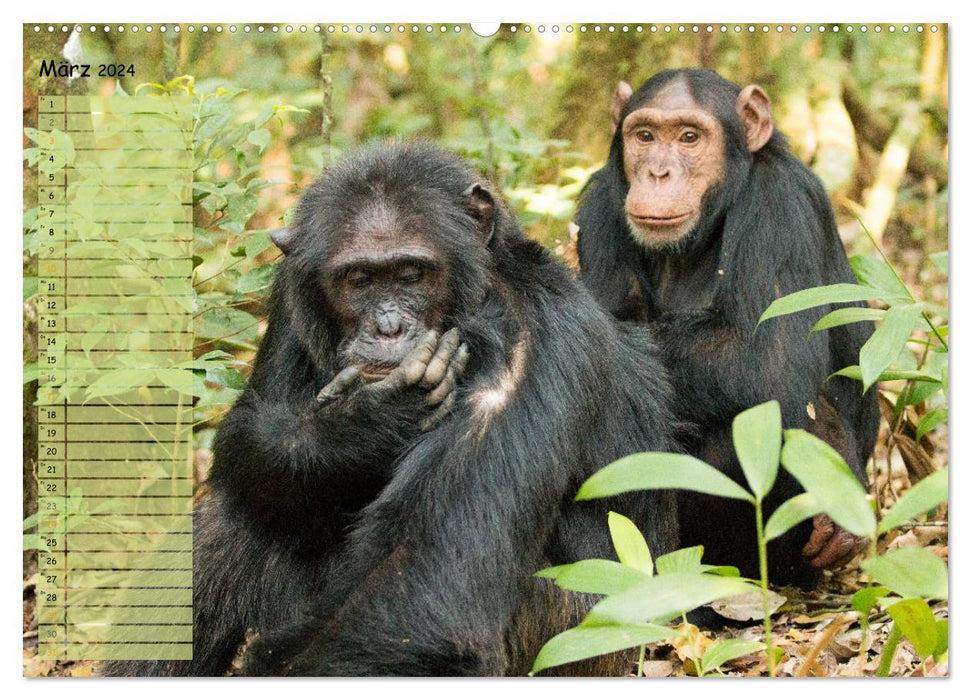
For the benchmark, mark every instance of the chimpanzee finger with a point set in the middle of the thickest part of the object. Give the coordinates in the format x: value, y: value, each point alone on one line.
x: 455, y: 369
x: 346, y: 379
x: 438, y: 414
x: 823, y: 529
x: 412, y: 368
x: 839, y: 550
x: 437, y: 367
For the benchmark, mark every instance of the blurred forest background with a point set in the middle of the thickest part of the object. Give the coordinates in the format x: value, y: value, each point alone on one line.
x: 866, y: 109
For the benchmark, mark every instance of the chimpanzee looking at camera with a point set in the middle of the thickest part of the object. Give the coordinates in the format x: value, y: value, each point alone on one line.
x: 431, y: 392
x: 699, y: 220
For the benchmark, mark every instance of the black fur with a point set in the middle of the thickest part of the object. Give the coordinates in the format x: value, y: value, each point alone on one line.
x: 767, y: 231
x: 415, y: 551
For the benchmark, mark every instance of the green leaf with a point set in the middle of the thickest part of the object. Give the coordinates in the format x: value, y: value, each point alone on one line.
x: 926, y: 494
x: 660, y: 470
x: 757, y: 433
x: 790, y: 514
x: 883, y: 347
x: 594, y: 576
x: 873, y: 271
x: 220, y: 322
x: 853, y: 372
x: 911, y: 572
x: 662, y: 598
x: 930, y: 421
x: 865, y: 599
x: 942, y: 638
x: 30, y: 287
x: 841, y: 317
x: 820, y: 296
x: 629, y: 543
x: 257, y: 279
x: 725, y: 650
x: 687, y: 560
x: 585, y: 642
x: 917, y: 623
x: 824, y: 474
x: 940, y: 261
x: 259, y: 138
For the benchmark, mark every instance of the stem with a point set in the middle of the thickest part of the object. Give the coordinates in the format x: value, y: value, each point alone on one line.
x: 764, y: 584
x: 640, y: 661
x: 889, y: 650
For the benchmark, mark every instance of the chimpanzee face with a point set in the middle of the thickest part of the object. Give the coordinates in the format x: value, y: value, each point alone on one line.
x: 674, y: 155
x: 388, y: 288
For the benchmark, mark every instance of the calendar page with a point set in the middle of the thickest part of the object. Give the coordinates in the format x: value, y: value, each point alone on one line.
x: 410, y: 349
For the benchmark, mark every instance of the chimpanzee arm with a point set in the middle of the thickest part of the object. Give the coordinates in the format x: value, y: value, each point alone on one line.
x: 327, y: 452
x: 722, y: 367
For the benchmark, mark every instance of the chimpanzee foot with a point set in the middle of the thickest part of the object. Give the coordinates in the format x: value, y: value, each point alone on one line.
x: 830, y: 546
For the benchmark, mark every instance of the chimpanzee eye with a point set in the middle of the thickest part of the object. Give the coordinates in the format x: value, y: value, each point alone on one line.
x: 689, y: 137
x: 644, y: 136
x: 358, y: 278
x: 410, y: 274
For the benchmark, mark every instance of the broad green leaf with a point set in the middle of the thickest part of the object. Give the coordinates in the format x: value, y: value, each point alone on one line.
x: 757, y: 433
x: 824, y: 475
x: 257, y: 279
x: 930, y: 421
x: 865, y: 599
x: 224, y: 323
x: 662, y: 598
x: 660, y: 470
x: 594, y: 576
x: 30, y: 287
x: 259, y: 138
x: 940, y: 260
x: 854, y: 372
x: 872, y: 271
x: 725, y: 650
x: 585, y: 642
x: 911, y: 572
x: 883, y: 347
x: 629, y: 543
x: 820, y: 296
x: 790, y: 514
x: 841, y: 317
x: 927, y: 493
x: 916, y: 621
x: 942, y: 638
x: 686, y: 561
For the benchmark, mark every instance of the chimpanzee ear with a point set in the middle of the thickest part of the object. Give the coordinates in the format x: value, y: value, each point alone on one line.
x: 482, y: 207
x: 621, y: 97
x: 755, y: 109
x: 284, y: 238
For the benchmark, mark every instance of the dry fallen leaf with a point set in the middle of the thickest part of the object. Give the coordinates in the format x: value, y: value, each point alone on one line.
x: 658, y: 669
x: 747, y: 606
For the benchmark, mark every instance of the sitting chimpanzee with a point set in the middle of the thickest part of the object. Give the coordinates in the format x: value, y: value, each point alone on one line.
x: 431, y: 391
x: 699, y: 220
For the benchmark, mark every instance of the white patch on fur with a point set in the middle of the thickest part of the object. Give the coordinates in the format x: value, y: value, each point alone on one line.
x: 491, y: 400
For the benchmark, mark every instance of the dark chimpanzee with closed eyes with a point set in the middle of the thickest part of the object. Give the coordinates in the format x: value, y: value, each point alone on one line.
x: 431, y: 392
x: 699, y: 220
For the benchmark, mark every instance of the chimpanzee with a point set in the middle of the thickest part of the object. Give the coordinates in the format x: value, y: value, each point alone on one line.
x: 431, y: 391
x: 699, y: 220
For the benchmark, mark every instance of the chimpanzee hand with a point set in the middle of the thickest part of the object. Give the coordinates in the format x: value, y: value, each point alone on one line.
x: 434, y: 365
x: 830, y: 546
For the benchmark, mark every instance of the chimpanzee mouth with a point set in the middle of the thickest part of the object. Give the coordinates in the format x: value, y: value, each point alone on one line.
x: 372, y: 373
x: 659, y: 221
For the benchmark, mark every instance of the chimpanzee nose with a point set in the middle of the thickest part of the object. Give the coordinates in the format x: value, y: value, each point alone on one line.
x: 389, y: 325
x: 659, y: 171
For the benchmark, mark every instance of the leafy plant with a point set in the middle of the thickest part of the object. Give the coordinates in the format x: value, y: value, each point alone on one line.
x: 637, y: 605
